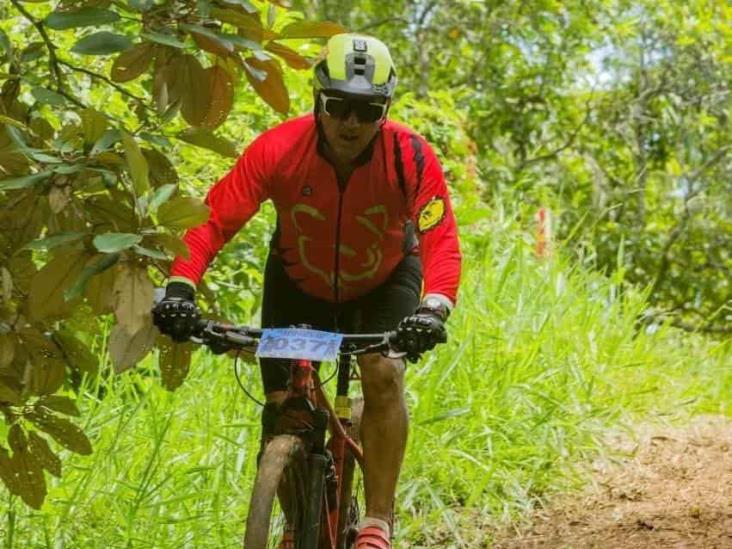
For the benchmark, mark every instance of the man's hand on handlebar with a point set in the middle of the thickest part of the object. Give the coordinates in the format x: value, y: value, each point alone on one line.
x: 177, y: 315
x: 422, y: 331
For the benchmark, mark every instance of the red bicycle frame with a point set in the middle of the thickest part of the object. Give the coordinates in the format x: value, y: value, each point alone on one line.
x: 305, y: 382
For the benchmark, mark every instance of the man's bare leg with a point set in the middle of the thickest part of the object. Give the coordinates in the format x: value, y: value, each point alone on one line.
x: 384, y: 428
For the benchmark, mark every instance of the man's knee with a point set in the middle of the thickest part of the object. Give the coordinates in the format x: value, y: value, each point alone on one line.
x: 382, y: 379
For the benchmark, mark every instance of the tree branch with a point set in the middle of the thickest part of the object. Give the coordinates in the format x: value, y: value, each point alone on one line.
x: 52, y: 59
x: 568, y: 143
x: 425, y: 13
x: 681, y: 225
x: 110, y: 82
x: 381, y: 22
x: 719, y: 155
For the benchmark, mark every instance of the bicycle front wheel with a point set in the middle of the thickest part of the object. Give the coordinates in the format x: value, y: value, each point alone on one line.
x: 352, y: 493
x: 277, y: 505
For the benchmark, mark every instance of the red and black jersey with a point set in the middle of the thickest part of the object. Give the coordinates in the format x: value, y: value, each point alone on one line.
x: 399, y: 181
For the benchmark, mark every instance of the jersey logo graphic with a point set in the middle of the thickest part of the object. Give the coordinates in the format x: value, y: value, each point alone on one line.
x: 369, y: 258
x: 306, y: 190
x: 431, y: 214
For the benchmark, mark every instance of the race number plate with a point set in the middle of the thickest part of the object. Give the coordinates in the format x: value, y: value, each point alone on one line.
x: 299, y: 343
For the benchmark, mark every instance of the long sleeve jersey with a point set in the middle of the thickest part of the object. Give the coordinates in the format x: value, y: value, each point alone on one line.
x: 337, y: 242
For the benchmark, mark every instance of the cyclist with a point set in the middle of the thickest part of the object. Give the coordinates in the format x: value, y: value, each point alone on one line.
x: 366, y: 241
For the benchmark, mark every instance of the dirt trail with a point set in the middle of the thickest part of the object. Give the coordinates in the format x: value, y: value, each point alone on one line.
x: 674, y: 490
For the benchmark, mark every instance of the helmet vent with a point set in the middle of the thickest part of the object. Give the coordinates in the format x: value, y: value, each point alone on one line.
x: 360, y: 65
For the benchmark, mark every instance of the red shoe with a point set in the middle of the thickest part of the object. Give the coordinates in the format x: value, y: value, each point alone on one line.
x: 372, y: 537
x: 288, y: 539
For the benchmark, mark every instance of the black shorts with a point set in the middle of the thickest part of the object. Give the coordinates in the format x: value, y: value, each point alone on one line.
x: 284, y: 305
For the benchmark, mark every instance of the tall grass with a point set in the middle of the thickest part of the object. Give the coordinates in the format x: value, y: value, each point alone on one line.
x: 543, y: 359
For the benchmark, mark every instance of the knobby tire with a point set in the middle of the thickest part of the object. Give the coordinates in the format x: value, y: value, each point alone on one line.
x: 282, y: 470
x: 352, y: 497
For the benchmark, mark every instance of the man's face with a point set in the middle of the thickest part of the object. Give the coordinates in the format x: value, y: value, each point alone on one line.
x: 349, y: 123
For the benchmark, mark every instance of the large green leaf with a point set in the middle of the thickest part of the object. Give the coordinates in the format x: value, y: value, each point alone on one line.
x: 141, y: 5
x: 48, y: 97
x: 7, y: 349
x: 76, y: 353
x: 53, y: 241
x: 13, y: 183
x: 248, y: 24
x: 171, y: 243
x: 208, y: 140
x: 63, y: 431
x: 99, y: 292
x: 137, y: 164
x: 164, y: 39
x: 128, y: 349
x: 162, y: 195
x: 193, y: 82
x: 312, y: 29
x: 41, y: 451
x: 115, y: 242
x: 48, y: 286
x: 132, y: 63
x: 108, y: 138
x: 220, y: 97
x: 30, y: 483
x: 175, y: 361
x: 10, y: 394
x: 209, y: 40
x: 95, y: 266
x: 133, y: 297
x: 272, y: 87
x: 246, y: 4
x: 290, y: 56
x: 147, y: 252
x: 183, y: 213
x: 47, y: 370
x: 5, y: 42
x: 162, y: 171
x: 93, y: 125
x: 85, y: 17
x: 242, y: 43
x: 102, y: 43
x: 60, y: 404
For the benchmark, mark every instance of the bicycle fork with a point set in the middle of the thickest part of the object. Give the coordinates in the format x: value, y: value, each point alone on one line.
x: 317, y: 466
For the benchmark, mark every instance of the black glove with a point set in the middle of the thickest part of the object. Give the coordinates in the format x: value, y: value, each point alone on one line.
x: 177, y: 315
x: 423, y: 330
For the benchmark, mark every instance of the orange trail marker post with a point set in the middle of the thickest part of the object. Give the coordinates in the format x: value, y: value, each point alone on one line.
x: 543, y: 233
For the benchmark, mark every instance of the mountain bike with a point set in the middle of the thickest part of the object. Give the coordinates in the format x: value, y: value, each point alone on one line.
x: 303, y: 495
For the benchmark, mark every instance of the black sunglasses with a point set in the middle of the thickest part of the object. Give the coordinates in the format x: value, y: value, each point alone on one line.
x: 341, y: 108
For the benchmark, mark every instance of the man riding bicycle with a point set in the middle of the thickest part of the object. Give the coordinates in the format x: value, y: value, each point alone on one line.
x: 366, y: 241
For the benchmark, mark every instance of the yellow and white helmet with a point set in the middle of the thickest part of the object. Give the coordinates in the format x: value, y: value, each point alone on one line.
x: 357, y: 65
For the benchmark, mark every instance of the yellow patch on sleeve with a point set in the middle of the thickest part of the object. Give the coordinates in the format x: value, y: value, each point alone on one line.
x: 431, y: 214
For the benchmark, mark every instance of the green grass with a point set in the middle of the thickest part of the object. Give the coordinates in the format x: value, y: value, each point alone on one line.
x: 543, y: 360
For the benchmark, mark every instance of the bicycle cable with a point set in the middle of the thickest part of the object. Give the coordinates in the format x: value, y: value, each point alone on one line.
x: 238, y: 380
x: 327, y: 380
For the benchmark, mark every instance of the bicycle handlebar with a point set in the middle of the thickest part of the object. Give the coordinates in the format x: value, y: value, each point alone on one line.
x: 230, y: 336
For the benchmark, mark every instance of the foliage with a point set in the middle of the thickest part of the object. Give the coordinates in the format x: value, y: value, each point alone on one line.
x: 614, y: 114
x: 543, y: 361
x: 114, y: 114
x: 91, y: 207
